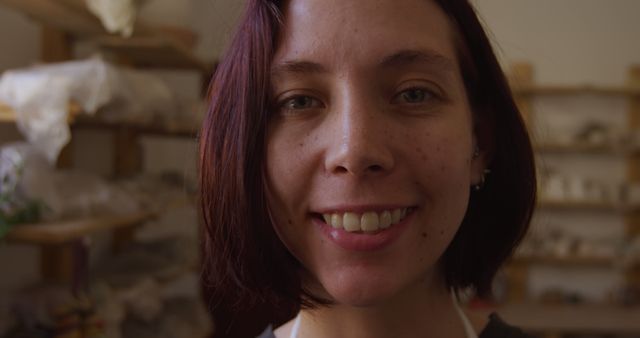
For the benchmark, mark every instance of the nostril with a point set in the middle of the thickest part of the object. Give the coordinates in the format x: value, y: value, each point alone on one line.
x: 375, y: 168
x: 341, y: 170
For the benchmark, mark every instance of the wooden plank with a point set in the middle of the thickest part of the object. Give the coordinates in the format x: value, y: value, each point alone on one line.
x: 573, y: 319
x: 152, y: 52
x: 581, y: 148
x: 570, y: 261
x: 172, y: 130
x: 60, y: 232
x: 7, y: 114
x: 583, y: 205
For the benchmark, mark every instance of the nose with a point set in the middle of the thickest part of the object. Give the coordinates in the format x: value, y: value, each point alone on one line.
x: 360, y: 144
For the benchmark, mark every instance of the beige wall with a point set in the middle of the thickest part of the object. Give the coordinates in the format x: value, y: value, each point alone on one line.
x: 569, y: 41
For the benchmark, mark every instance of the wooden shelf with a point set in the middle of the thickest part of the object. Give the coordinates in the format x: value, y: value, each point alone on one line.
x: 6, y: 113
x: 583, y: 205
x: 146, y: 129
x: 165, y: 47
x: 152, y: 52
x: 572, y: 261
x: 573, y: 319
x: 580, y: 148
x: 61, y: 232
x: 574, y: 90
x: 76, y: 120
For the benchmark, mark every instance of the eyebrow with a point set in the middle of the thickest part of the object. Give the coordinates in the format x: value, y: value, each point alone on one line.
x: 410, y: 56
x: 299, y: 67
x: 401, y: 58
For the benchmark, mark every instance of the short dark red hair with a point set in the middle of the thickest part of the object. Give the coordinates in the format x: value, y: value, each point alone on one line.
x: 243, y: 258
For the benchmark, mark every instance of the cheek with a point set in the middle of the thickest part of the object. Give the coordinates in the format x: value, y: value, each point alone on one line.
x: 289, y: 171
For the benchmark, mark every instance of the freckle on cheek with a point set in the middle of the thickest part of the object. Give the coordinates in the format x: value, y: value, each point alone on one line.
x: 424, y: 235
x: 441, y: 232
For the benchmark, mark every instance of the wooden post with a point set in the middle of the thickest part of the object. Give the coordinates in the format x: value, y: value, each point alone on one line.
x: 633, y: 170
x: 56, y: 263
x: 56, y: 45
x: 521, y: 77
x: 517, y: 276
x: 128, y: 152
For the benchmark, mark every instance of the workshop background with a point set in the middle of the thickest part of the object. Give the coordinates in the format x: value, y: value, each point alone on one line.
x: 98, y: 226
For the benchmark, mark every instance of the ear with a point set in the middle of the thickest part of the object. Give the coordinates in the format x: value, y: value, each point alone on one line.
x: 483, y: 150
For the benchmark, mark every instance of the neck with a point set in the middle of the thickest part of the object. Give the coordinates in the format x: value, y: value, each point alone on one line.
x: 424, y: 310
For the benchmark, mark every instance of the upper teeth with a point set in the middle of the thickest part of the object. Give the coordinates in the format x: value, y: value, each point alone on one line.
x: 368, y: 221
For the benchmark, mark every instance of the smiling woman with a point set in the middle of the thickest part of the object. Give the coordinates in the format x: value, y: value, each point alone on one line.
x: 344, y: 167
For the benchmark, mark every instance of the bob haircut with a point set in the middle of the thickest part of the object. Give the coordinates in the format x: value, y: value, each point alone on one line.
x: 244, y: 260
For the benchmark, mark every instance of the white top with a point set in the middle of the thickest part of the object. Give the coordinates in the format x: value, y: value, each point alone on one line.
x: 468, y: 328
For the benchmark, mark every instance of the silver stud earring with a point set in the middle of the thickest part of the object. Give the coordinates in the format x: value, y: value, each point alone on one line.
x: 476, y: 152
x: 480, y: 185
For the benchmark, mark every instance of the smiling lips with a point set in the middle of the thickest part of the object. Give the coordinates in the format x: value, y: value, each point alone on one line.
x: 367, y: 222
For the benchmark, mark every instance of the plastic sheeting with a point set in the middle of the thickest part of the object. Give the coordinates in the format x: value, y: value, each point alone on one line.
x: 117, y: 16
x: 40, y: 96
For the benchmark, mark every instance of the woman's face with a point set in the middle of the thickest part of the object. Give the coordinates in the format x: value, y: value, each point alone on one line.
x: 370, y: 148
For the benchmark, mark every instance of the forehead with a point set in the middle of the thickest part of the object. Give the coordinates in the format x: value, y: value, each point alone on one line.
x: 347, y: 32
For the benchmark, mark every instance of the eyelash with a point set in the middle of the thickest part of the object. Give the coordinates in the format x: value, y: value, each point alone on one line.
x: 427, y: 95
x: 284, y: 104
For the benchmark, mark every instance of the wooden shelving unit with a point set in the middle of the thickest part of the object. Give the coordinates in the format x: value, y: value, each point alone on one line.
x: 565, y: 261
x: 61, y: 232
x: 63, y: 23
x: 152, y: 52
x: 585, y: 319
x: 587, y: 148
x: 560, y: 320
x: 149, y: 47
x: 583, y: 205
x: 77, y: 120
x: 64, y: 245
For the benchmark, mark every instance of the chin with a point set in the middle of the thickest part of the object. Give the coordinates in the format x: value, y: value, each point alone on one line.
x: 362, y: 290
